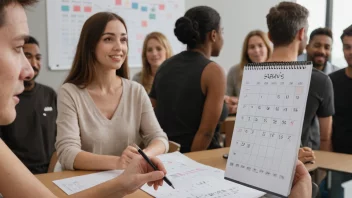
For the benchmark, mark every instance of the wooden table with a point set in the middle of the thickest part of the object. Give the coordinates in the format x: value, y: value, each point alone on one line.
x: 334, y: 161
x: 211, y: 157
x: 331, y: 161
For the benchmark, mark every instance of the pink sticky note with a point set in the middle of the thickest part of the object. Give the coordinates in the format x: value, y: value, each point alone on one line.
x: 161, y: 6
x: 139, y: 50
x: 118, y: 2
x: 76, y: 8
x: 144, y: 23
x: 87, y: 9
x: 139, y: 37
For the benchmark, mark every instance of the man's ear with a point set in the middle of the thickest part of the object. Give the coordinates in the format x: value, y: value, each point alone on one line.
x: 301, y: 33
x: 213, y: 35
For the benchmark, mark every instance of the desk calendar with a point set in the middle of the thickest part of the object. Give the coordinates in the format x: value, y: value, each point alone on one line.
x: 268, y: 128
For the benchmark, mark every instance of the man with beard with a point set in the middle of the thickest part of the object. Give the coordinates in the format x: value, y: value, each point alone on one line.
x: 321, y: 92
x: 32, y: 135
x: 319, y: 50
x: 342, y: 125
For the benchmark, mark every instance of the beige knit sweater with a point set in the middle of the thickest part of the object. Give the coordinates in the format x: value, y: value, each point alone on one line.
x: 81, y: 126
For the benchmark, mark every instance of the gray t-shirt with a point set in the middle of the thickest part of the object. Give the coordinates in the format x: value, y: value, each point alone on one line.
x: 138, y: 77
x: 320, y: 102
x: 314, y: 128
x: 233, y: 87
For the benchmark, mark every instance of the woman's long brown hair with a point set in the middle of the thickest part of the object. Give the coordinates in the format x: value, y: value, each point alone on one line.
x: 146, y: 76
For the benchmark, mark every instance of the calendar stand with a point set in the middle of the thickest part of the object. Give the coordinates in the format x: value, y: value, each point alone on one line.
x: 268, y: 128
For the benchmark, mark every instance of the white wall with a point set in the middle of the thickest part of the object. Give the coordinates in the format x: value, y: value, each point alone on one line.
x: 38, y: 28
x: 238, y: 18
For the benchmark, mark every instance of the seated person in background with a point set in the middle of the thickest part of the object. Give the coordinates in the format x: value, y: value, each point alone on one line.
x: 100, y: 111
x: 15, y: 178
x: 319, y: 50
x: 32, y: 135
x: 188, y: 89
x: 342, y: 125
x: 256, y: 49
x: 156, y: 49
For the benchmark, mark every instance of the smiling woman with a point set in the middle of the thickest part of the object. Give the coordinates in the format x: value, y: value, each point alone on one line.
x: 96, y: 41
x: 156, y: 49
x: 100, y: 111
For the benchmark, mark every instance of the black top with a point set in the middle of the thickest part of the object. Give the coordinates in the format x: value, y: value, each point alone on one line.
x: 342, y: 120
x: 180, y: 100
x: 320, y: 102
x: 32, y: 135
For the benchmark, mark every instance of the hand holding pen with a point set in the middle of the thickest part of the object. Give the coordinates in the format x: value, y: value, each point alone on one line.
x: 152, y: 165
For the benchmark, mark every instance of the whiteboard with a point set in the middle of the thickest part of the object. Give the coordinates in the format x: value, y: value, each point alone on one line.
x: 65, y: 19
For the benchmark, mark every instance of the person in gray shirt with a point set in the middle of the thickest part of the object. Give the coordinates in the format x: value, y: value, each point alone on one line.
x: 319, y: 51
x: 256, y: 49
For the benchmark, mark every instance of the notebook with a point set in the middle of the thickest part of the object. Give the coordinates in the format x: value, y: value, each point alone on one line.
x: 268, y: 128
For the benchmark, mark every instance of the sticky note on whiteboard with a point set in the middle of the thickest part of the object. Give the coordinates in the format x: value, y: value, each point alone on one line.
x: 152, y: 16
x: 77, y: 8
x: 135, y: 5
x: 65, y: 8
x: 87, y: 9
x: 139, y: 36
x: 144, y: 23
x: 144, y: 9
x: 118, y: 2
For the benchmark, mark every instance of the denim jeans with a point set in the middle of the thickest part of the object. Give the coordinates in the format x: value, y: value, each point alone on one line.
x: 337, y: 179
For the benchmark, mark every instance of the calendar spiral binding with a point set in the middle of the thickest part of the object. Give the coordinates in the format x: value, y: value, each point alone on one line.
x: 277, y: 65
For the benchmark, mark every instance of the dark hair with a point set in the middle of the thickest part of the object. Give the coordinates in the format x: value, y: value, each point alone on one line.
x: 284, y: 21
x: 31, y: 40
x: 347, y: 32
x: 192, y: 28
x: 83, y: 71
x: 321, y: 31
x: 5, y: 3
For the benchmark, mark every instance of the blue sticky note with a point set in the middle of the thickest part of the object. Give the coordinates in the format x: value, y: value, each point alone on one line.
x: 152, y: 16
x: 135, y: 5
x: 65, y: 8
x: 144, y: 9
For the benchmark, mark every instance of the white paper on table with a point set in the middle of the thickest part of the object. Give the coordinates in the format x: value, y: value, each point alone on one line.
x: 192, y: 179
x: 74, y: 185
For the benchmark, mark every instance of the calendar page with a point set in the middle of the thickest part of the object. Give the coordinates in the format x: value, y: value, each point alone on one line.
x: 268, y: 128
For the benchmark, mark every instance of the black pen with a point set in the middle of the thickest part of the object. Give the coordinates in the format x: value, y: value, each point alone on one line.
x: 151, y: 164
